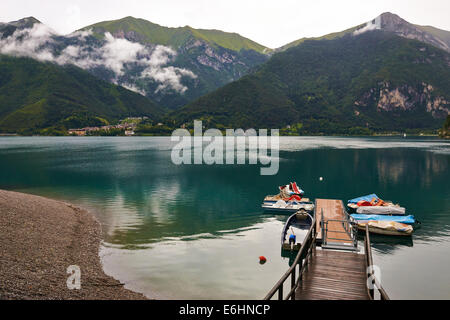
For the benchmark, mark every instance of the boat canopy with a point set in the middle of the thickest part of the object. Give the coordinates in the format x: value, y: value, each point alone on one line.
x: 368, y: 198
x: 386, y: 210
x: 372, y: 217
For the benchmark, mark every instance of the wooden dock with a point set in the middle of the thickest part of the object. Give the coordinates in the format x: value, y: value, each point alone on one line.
x: 334, y: 217
x: 336, y: 270
x: 334, y: 275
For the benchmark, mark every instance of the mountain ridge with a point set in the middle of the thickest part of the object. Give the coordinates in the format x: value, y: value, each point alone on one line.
x: 175, y: 36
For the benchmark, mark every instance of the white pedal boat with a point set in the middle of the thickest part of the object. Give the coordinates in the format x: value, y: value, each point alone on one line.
x: 287, y: 207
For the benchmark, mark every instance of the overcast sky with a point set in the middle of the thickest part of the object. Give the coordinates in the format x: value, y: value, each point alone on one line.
x: 272, y: 23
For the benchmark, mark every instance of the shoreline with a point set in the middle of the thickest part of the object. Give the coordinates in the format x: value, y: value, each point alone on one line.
x: 39, y: 239
x: 282, y: 135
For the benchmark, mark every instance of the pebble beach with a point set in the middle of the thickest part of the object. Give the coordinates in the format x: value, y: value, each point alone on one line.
x: 40, y: 239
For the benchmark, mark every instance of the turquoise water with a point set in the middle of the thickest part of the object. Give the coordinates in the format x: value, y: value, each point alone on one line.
x: 196, y: 231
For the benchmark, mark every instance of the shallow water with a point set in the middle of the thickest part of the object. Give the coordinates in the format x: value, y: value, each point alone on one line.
x: 196, y: 231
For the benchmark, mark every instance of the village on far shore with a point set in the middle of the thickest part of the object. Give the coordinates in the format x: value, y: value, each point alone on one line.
x: 127, y: 126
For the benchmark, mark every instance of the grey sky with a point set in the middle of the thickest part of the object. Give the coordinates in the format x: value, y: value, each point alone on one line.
x: 270, y: 22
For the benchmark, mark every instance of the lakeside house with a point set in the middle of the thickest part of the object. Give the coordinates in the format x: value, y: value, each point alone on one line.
x: 78, y: 132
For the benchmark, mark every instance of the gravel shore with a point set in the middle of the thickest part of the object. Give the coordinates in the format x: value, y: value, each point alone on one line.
x: 39, y: 239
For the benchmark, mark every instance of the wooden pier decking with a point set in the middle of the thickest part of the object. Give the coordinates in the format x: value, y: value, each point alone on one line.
x: 336, y: 271
x: 333, y: 211
x: 334, y: 275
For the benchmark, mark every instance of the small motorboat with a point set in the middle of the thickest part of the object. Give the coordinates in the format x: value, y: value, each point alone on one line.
x: 389, y: 228
x: 287, y: 207
x: 296, y: 225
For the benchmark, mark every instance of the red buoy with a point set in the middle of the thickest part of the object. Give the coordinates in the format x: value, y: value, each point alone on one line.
x: 262, y: 260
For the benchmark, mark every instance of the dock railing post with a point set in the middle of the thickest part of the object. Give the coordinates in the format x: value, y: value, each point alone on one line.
x: 369, y: 263
x: 293, y: 280
x: 322, y: 226
x: 300, y: 273
x: 314, y: 238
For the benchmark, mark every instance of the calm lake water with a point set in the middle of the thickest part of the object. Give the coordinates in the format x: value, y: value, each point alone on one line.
x: 196, y: 231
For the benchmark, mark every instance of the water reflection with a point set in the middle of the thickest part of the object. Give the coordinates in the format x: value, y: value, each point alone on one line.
x: 386, y: 244
x: 398, y: 165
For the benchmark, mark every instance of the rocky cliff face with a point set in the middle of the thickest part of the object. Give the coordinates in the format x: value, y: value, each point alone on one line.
x: 393, y: 23
x: 387, y: 97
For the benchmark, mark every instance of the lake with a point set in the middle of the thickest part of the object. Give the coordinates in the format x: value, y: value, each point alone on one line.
x: 196, y: 231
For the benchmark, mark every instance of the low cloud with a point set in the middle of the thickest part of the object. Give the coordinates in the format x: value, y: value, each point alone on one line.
x: 114, y: 54
x: 168, y: 77
x: 132, y: 87
x: 31, y: 43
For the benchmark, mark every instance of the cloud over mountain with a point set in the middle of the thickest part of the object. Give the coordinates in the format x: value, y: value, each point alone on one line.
x: 114, y: 54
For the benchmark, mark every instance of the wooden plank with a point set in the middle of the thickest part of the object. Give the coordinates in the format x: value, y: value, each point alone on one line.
x: 339, y: 285
x: 329, y: 295
x: 339, y: 258
x: 341, y: 269
x: 337, y: 274
x: 342, y: 264
x: 330, y: 285
x: 344, y: 261
x: 332, y: 288
x: 342, y: 277
x: 334, y: 283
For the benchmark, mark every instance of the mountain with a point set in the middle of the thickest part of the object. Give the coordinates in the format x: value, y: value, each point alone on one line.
x: 195, y: 61
x: 171, y: 66
x: 36, y: 97
x: 391, y: 23
x: 358, y: 82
